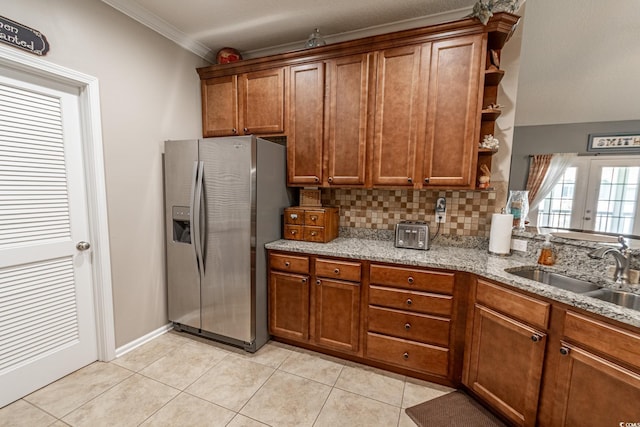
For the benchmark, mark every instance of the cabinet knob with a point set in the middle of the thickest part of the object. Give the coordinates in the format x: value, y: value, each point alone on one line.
x: 314, y: 217
x: 287, y: 263
x: 246, y: 130
x: 564, y: 351
x: 409, y: 180
x: 407, y: 326
x: 304, y: 280
x: 316, y: 179
x: 409, y: 302
x: 405, y: 356
x: 536, y: 338
x: 337, y: 271
x: 410, y: 280
x: 318, y: 282
x: 234, y: 130
x: 426, y: 180
x: 293, y: 232
x: 313, y: 233
x: 330, y: 179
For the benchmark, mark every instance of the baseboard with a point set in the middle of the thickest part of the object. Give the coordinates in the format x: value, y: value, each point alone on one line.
x: 121, y: 351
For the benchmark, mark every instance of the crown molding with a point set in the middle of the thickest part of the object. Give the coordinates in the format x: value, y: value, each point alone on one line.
x: 142, y: 15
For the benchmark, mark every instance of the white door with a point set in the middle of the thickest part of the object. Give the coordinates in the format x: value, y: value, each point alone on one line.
x: 47, y: 319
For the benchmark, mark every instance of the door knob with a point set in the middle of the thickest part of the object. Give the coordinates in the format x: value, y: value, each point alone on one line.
x: 82, y: 246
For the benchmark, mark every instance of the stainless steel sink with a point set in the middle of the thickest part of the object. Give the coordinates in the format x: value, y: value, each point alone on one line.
x: 624, y: 299
x: 557, y: 280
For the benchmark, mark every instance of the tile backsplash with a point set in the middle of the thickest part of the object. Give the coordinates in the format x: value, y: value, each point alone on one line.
x: 468, y: 212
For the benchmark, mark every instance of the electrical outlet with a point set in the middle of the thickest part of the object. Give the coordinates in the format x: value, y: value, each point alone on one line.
x: 519, y: 245
x: 441, y: 216
x: 441, y: 205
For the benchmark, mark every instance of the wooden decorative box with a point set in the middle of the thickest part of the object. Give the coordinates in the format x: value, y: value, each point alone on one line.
x: 311, y: 224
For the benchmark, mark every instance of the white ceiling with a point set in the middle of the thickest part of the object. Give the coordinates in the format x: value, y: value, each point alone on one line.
x: 580, y: 59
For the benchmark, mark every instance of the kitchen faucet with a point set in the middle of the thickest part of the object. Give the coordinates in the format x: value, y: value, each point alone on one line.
x: 622, y: 257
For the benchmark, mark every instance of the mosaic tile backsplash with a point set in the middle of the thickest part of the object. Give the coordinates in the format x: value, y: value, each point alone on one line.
x: 468, y: 212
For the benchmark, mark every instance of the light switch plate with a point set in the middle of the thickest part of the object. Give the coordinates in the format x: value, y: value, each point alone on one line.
x: 519, y: 245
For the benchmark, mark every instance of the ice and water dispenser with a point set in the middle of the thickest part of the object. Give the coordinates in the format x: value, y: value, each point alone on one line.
x: 181, y: 216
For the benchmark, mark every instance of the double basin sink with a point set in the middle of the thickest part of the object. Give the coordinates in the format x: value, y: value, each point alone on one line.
x: 621, y: 298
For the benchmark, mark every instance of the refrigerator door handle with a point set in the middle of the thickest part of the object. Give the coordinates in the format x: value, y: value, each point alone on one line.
x: 197, y: 199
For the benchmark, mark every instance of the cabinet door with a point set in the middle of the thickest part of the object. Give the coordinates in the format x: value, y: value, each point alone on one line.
x: 220, y: 106
x: 337, y: 314
x: 401, y: 72
x: 453, y: 113
x: 262, y: 101
x: 506, y: 365
x: 306, y: 108
x: 347, y: 117
x: 594, y: 392
x: 289, y: 305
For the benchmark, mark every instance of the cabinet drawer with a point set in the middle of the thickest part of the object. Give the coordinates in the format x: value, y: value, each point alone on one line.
x: 314, y: 217
x: 411, y: 301
x: 314, y: 234
x: 413, y: 279
x: 294, y: 216
x: 521, y: 307
x: 413, y: 326
x: 408, y: 354
x: 615, y: 342
x: 293, y: 232
x: 338, y: 269
x: 295, y: 264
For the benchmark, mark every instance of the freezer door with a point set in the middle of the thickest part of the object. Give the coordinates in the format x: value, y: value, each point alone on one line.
x: 229, y: 192
x: 183, y: 277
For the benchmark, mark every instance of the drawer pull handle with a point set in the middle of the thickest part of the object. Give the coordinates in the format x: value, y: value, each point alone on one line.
x: 314, y: 218
x: 287, y: 263
x: 405, y: 356
x: 536, y: 338
x: 407, y: 326
x: 410, y: 280
x: 337, y: 271
x: 564, y: 351
x: 313, y: 233
x: 304, y: 280
x: 409, y: 302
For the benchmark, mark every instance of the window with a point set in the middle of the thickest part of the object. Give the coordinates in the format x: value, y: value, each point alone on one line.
x: 595, y: 193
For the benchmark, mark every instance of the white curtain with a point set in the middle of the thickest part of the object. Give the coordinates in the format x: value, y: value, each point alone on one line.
x: 559, y: 164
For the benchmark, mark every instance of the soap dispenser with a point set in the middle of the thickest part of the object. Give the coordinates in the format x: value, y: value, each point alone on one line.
x: 547, y: 255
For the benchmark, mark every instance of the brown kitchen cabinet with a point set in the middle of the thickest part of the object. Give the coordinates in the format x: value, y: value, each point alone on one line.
x: 410, y: 319
x: 453, y: 104
x: 337, y: 304
x: 244, y: 104
x: 402, y: 73
x: 321, y: 308
x: 289, y: 296
x: 348, y: 108
x: 506, y: 350
x: 598, y: 375
x: 306, y: 121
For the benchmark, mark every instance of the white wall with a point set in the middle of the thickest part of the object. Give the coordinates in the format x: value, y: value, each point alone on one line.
x: 149, y: 92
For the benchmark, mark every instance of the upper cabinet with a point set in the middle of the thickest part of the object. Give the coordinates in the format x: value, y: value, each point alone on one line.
x: 245, y: 104
x: 405, y: 109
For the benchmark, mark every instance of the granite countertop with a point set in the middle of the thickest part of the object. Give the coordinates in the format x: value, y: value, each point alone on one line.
x: 476, y: 261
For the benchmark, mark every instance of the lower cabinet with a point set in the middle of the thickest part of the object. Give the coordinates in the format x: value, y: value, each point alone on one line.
x: 322, y: 308
x: 506, y: 352
x: 598, y: 375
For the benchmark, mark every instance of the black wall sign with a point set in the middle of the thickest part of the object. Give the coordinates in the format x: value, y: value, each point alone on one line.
x: 23, y: 37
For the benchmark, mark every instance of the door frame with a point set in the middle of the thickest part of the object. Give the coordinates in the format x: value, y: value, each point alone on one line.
x: 89, y: 97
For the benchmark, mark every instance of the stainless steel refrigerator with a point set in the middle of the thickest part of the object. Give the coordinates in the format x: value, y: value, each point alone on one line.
x: 224, y: 200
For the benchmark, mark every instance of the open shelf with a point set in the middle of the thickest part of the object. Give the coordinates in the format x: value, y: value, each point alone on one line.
x: 490, y: 114
x: 493, y: 77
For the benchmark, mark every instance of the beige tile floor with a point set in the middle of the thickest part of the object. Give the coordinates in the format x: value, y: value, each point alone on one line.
x: 180, y: 380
